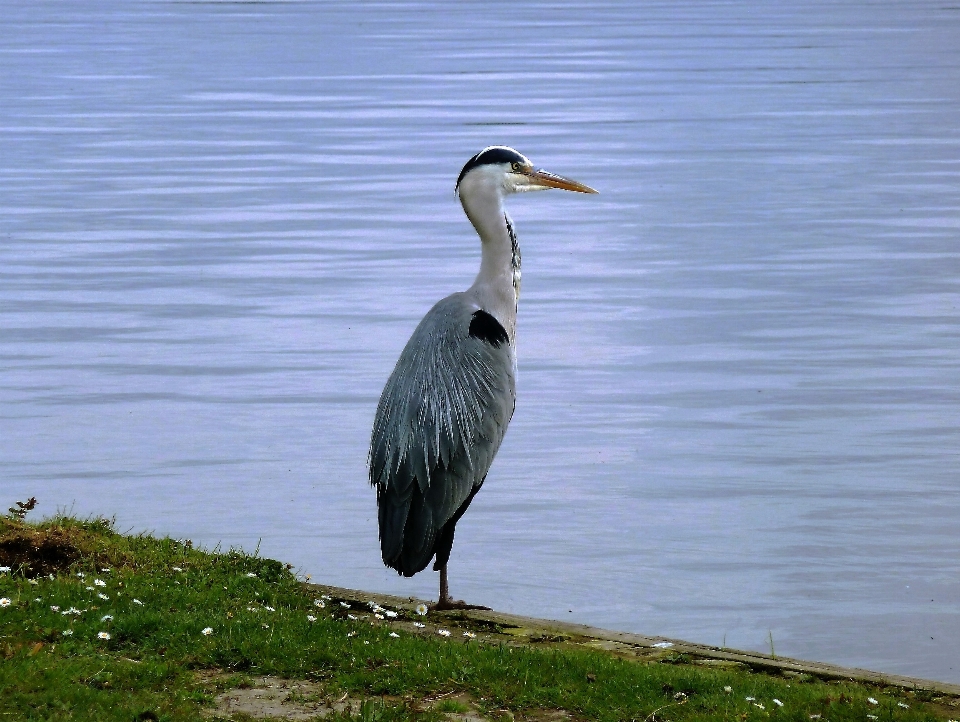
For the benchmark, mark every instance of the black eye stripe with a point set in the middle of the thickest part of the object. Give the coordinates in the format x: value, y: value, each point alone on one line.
x: 496, y: 154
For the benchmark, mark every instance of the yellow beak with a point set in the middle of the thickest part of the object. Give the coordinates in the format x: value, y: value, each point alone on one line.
x: 543, y: 179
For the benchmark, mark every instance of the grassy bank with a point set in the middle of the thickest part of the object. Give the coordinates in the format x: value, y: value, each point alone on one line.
x: 97, y: 625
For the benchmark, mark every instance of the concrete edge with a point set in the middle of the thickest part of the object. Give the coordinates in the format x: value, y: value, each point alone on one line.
x: 755, y: 660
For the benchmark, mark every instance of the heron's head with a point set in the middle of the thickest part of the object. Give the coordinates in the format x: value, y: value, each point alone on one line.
x: 504, y: 171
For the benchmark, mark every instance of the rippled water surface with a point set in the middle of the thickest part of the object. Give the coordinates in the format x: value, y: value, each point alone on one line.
x: 739, y: 403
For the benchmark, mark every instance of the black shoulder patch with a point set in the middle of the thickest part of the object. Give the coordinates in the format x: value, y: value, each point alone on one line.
x: 486, y: 328
x: 493, y: 154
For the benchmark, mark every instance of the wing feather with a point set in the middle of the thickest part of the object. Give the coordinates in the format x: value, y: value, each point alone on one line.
x: 440, y: 420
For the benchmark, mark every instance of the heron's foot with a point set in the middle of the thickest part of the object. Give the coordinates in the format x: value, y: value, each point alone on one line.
x: 449, y: 604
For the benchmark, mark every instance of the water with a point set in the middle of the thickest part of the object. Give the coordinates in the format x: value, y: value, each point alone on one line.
x: 738, y: 406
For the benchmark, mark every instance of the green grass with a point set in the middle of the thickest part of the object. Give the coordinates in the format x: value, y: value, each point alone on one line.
x: 158, y: 664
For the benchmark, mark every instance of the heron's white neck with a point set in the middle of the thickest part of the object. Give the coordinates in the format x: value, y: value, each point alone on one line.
x: 497, y: 286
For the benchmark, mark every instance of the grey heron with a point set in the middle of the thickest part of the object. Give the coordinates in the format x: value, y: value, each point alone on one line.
x: 446, y: 406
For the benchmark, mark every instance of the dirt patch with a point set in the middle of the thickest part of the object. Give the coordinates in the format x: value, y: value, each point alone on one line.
x: 38, y: 551
x: 279, y: 698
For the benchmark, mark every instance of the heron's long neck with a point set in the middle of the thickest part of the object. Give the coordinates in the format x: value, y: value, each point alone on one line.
x: 497, y: 286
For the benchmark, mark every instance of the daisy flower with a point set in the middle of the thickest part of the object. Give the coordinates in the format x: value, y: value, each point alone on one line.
x: 469, y: 635
x: 421, y: 609
x: 319, y: 603
x: 5, y: 602
x: 99, y: 583
x: 4, y: 570
x: 103, y: 635
x: 871, y: 700
x: 344, y: 605
x: 67, y: 633
x: 777, y: 702
x: 443, y: 632
x: 350, y: 616
x: 106, y: 618
x: 54, y: 608
x: 251, y: 575
x: 138, y: 602
x: 378, y: 616
x: 394, y: 634
x: 103, y: 596
x: 389, y: 613
x: 311, y: 618
x: 206, y: 631
x: 177, y: 569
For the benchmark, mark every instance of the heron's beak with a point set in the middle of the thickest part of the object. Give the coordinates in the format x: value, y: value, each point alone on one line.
x: 542, y: 179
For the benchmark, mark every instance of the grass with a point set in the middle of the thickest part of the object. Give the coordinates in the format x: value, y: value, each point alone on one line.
x: 105, y: 626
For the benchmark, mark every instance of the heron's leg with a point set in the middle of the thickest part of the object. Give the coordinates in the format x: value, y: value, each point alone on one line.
x: 444, y: 587
x: 445, y: 602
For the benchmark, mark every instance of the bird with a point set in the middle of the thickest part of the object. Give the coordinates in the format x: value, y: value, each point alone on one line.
x: 445, y: 407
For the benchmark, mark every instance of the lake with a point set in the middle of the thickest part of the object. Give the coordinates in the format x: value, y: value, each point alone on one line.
x: 738, y: 413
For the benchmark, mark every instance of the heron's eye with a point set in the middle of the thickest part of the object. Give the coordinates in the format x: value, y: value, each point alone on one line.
x: 516, y: 167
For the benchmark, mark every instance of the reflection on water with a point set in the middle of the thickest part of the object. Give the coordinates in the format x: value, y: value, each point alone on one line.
x: 739, y: 365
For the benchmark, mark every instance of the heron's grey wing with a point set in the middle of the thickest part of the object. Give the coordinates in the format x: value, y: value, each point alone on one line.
x: 439, y: 423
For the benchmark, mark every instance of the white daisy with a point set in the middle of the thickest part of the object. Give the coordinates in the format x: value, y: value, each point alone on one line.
x: 269, y: 609
x: 469, y: 635
x: 177, y: 569
x: 418, y: 625
x: 54, y: 608
x: 389, y: 613
x: 99, y: 583
x: 67, y: 633
x: 350, y: 634
x: 5, y: 602
x: 871, y: 700
x: 901, y: 704
x: 344, y: 605
x: 103, y: 635
x: 251, y: 575
x: 728, y: 689
x: 421, y: 609
x: 80, y: 574
x: 103, y: 596
x: 4, y: 570
x: 89, y: 589
x: 378, y: 616
x: 34, y: 582
x: 138, y: 602
x: 350, y: 616
x: 319, y: 603
x: 106, y: 618
x: 311, y: 618
x: 777, y: 702
x: 206, y: 631
x: 394, y: 634
x: 443, y: 632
